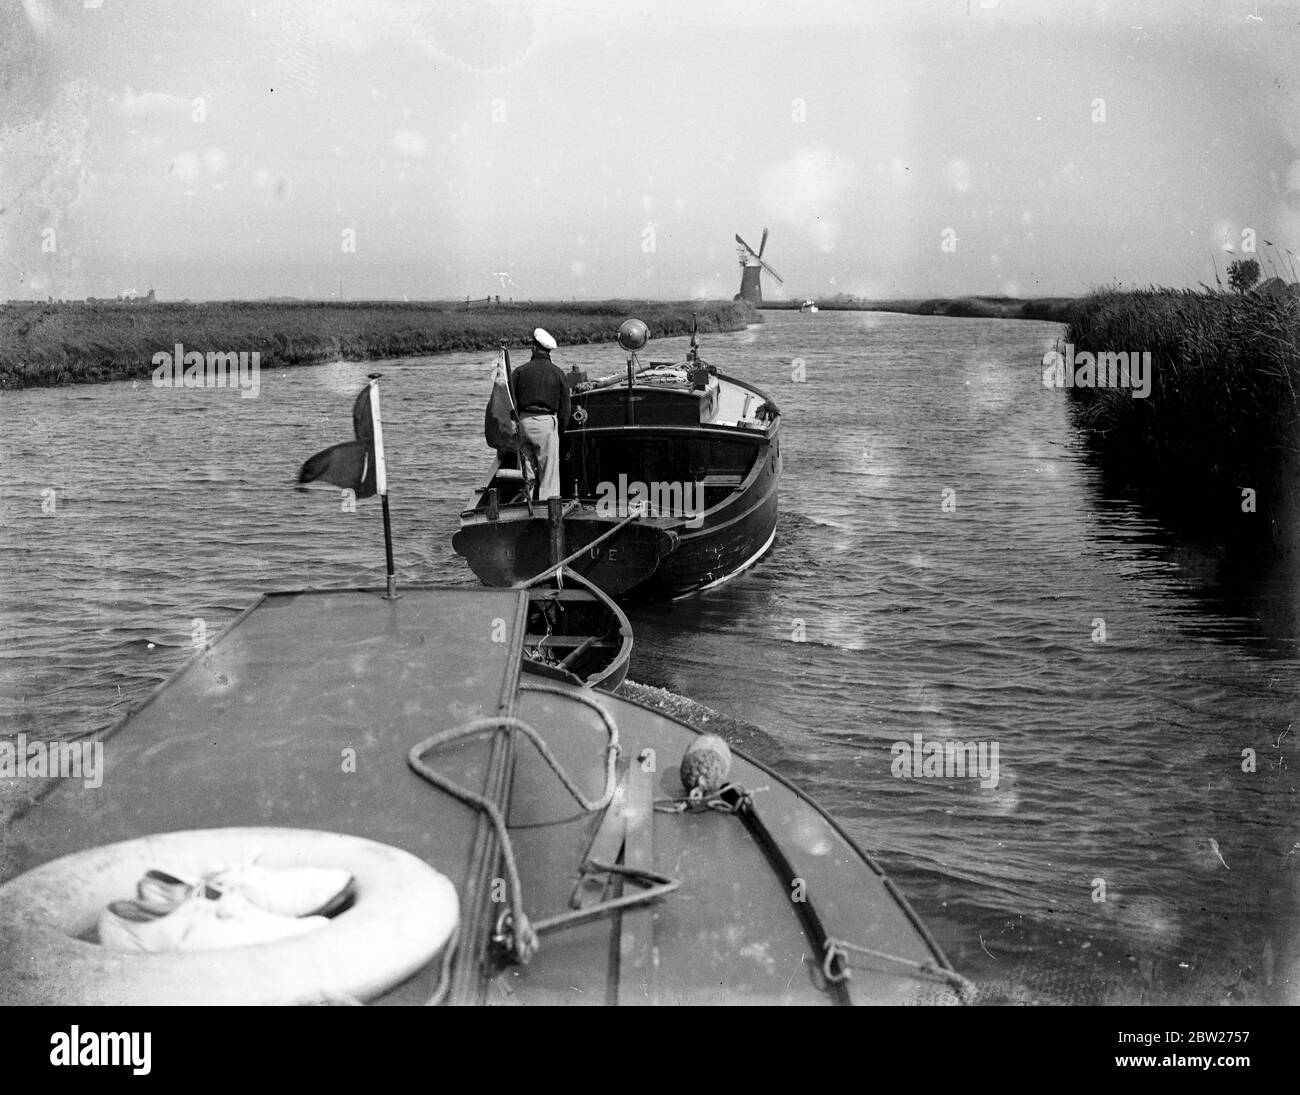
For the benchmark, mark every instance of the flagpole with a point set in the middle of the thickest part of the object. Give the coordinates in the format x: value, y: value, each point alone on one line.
x: 381, y: 483
x: 503, y: 356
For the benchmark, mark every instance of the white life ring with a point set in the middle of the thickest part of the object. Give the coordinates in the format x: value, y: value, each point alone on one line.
x: 579, y: 415
x: 403, y: 915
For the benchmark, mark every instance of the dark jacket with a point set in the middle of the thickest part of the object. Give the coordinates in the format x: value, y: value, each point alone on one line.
x: 541, y: 386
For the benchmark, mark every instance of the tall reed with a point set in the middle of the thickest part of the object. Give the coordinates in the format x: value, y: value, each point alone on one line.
x: 1225, y: 374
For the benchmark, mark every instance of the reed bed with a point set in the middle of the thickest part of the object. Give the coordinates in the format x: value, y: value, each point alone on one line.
x: 1225, y: 374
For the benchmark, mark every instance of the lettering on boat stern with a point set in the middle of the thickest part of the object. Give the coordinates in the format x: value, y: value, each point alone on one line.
x: 945, y: 759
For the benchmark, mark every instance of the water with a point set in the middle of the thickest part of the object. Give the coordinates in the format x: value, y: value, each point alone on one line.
x: 1086, y: 875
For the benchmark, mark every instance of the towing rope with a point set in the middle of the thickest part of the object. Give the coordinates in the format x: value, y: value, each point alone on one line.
x: 520, y: 939
x: 636, y: 514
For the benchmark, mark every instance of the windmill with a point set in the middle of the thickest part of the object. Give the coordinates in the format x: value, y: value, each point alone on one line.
x: 751, y: 267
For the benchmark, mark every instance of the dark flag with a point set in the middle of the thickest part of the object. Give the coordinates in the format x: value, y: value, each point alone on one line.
x: 499, y: 429
x: 352, y: 464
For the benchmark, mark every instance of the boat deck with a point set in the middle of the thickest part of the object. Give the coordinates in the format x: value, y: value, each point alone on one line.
x: 302, y: 714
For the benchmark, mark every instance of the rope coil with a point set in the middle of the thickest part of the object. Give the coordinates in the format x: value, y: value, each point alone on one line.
x: 517, y: 934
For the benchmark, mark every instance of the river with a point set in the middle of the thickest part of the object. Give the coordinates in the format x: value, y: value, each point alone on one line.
x: 949, y: 563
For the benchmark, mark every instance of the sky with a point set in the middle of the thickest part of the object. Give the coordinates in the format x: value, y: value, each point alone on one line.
x: 590, y: 149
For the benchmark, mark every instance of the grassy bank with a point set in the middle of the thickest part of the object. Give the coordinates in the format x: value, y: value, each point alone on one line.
x: 1052, y: 309
x: 48, y: 344
x: 1225, y: 369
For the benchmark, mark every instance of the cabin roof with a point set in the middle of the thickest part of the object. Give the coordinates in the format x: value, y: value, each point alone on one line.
x: 723, y: 402
x: 300, y: 714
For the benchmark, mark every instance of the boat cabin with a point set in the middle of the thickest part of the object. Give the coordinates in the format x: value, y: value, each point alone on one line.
x: 669, y: 394
x: 676, y: 425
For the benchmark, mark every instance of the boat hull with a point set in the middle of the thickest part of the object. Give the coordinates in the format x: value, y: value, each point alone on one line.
x: 516, y: 547
x: 652, y: 558
x: 302, y: 715
x: 700, y: 449
x: 728, y: 541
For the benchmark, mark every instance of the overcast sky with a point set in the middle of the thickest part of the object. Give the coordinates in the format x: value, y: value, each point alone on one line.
x: 597, y: 149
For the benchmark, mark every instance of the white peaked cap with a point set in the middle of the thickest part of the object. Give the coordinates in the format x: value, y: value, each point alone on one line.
x: 543, y: 339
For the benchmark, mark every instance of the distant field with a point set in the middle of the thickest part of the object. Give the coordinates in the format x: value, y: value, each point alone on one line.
x: 1053, y: 309
x: 47, y: 344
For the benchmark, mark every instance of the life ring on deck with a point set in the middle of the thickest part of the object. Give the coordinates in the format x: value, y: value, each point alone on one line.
x: 403, y: 916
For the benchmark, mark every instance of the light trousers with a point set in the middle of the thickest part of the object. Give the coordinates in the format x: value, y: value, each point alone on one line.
x: 539, y: 445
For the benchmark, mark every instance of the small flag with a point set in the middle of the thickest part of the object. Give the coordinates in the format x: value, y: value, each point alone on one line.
x: 352, y: 464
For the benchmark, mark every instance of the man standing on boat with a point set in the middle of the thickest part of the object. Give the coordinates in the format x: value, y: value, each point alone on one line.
x: 541, y: 396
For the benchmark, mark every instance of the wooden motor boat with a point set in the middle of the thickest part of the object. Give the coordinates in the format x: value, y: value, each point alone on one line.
x: 697, y: 451
x: 543, y: 829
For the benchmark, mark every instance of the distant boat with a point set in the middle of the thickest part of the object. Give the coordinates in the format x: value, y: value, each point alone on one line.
x: 700, y: 449
x: 808, y: 306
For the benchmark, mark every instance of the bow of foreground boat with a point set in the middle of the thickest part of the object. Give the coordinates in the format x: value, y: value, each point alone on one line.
x: 774, y: 903
x: 334, y: 712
